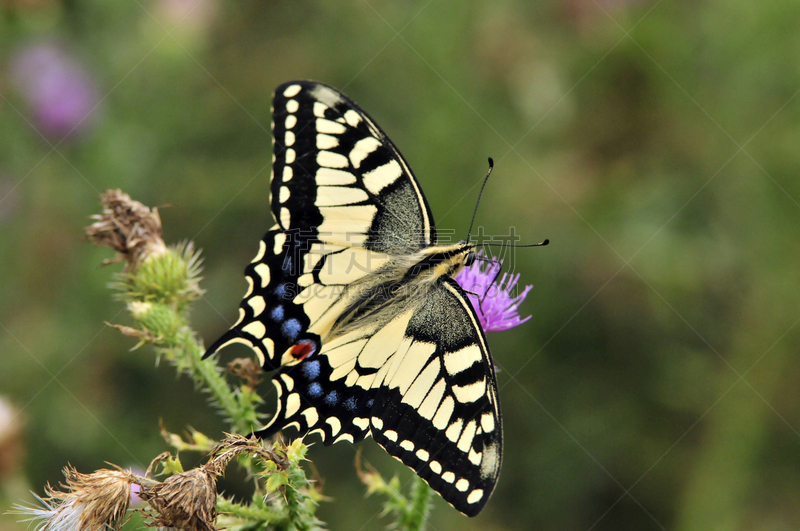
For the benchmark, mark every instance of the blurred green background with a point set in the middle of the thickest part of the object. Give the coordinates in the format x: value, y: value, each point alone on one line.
x: 654, y: 142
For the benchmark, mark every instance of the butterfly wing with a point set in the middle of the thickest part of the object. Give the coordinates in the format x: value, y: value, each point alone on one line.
x: 423, y: 386
x: 338, y: 178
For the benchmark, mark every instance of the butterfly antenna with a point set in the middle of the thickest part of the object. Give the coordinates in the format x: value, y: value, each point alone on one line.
x: 540, y: 244
x: 475, y: 212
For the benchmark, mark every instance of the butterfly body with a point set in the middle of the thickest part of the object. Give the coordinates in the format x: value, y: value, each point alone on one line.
x: 353, y: 302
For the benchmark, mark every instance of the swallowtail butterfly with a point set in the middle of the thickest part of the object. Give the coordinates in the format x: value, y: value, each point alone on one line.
x: 353, y: 302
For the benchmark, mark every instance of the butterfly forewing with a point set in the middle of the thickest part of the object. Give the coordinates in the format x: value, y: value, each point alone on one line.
x: 338, y: 177
x: 361, y: 347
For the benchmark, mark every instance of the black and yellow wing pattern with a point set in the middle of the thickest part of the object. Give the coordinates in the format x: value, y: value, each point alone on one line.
x: 353, y: 303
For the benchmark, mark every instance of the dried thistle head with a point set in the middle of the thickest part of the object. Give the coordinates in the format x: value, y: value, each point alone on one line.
x: 89, y: 502
x: 128, y: 227
x: 186, y: 501
x: 246, y: 369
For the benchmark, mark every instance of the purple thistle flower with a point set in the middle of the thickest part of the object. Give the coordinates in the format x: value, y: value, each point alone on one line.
x: 58, y: 89
x: 494, y: 303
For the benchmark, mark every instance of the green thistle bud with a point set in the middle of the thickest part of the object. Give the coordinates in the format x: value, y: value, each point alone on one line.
x: 158, y: 319
x: 170, y: 277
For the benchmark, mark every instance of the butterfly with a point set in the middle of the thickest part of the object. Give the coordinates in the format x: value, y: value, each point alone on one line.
x: 354, y: 303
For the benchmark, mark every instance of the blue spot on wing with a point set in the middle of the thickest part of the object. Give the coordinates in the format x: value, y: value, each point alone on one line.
x: 350, y: 404
x: 311, y: 369
x: 290, y: 328
x: 314, y: 390
x: 332, y: 398
x: 277, y: 313
x: 280, y: 290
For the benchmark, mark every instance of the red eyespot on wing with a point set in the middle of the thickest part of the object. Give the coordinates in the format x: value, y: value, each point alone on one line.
x: 302, y: 349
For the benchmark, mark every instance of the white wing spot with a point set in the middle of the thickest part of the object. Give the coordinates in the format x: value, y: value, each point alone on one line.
x: 474, y: 457
x: 290, y: 154
x: 287, y: 173
x: 288, y: 382
x: 280, y: 239
x: 436, y: 467
x: 454, y: 430
x: 378, y: 423
x: 391, y: 435
x: 475, y: 496
x: 449, y: 477
x: 284, y: 194
x: 255, y: 329
x: 352, y: 118
x: 319, y: 109
x: 241, y: 315
x: 462, y: 485
x: 288, y: 138
x: 329, y: 159
x: 258, y: 304
x: 292, y: 105
x: 361, y: 423
x: 329, y: 127
x: 262, y: 270
x: 422, y: 455
x: 262, y: 248
x: 291, y: 90
x: 461, y: 360
x: 326, y: 141
x: 471, y: 392
x: 292, y: 405
x: 407, y: 445
x: 335, y: 425
x: 311, y: 416
x: 344, y: 437
x: 286, y: 217
x: 487, y: 422
x: 290, y: 122
x: 328, y: 176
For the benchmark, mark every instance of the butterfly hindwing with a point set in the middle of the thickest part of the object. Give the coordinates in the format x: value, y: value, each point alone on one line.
x: 440, y: 413
x: 338, y: 177
x: 423, y: 386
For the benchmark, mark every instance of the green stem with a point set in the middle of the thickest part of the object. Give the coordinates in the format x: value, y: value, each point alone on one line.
x: 420, y: 506
x: 246, y: 512
x: 187, y: 354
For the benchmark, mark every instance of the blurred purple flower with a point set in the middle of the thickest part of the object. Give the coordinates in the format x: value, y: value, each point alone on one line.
x: 58, y: 89
x: 493, y: 301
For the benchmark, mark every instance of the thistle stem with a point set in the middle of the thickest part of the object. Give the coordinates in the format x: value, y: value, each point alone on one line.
x: 420, y: 505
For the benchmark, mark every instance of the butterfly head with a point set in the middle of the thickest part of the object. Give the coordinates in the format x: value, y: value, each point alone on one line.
x: 470, y: 258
